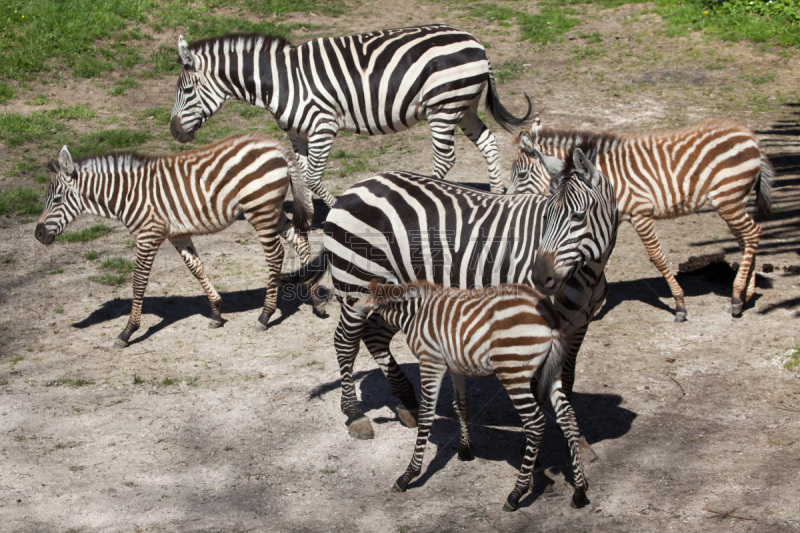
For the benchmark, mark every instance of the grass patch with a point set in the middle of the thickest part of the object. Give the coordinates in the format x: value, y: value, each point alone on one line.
x: 508, y: 71
x: 793, y: 360
x: 16, y: 129
x: 20, y: 201
x: 159, y: 114
x: 91, y: 255
x: 6, y: 93
x: 123, y: 86
x: 98, y: 142
x: 69, y: 382
x: 168, y: 381
x: 137, y: 379
x: 119, y: 270
x: 547, y: 26
x: 86, y: 235
x: 246, y: 109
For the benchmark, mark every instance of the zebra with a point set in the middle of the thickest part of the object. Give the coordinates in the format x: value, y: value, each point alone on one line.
x: 665, y: 175
x: 401, y: 227
x: 372, y: 83
x: 175, y: 196
x: 511, y: 331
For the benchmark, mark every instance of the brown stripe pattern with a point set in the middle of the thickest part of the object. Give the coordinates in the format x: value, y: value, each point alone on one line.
x: 173, y: 197
x: 665, y: 175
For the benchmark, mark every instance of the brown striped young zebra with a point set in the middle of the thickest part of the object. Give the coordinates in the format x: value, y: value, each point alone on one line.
x: 175, y: 196
x: 373, y: 83
x: 665, y: 175
x: 511, y: 331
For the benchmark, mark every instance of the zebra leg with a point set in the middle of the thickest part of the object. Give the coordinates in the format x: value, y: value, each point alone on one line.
x: 573, y: 341
x: 460, y: 407
x: 147, y: 244
x: 647, y: 232
x: 319, y: 147
x: 565, y: 417
x: 444, y: 152
x: 533, y: 425
x: 189, y: 255
x: 431, y: 372
x: 346, y: 340
x: 299, y: 241
x: 477, y: 132
x: 747, y: 233
x: 377, y: 337
x: 300, y: 147
x: 268, y: 235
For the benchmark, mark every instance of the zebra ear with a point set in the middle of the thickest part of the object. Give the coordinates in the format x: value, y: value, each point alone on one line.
x: 65, y: 162
x: 187, y: 57
x: 525, y: 142
x: 585, y: 166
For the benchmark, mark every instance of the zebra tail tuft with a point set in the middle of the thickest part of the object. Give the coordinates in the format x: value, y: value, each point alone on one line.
x: 310, y: 273
x: 302, y: 203
x: 764, y: 191
x: 502, y: 115
x: 552, y: 365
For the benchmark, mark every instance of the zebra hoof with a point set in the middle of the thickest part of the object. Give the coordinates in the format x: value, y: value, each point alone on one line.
x: 407, y: 416
x: 119, y: 344
x: 215, y: 323
x: 261, y: 325
x: 360, y: 428
x: 512, y: 503
x: 578, y: 499
x: 401, y: 484
x: 586, y: 451
x: 465, y: 454
x: 680, y: 316
x: 736, y: 308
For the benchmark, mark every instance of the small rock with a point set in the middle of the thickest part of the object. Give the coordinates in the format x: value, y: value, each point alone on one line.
x: 767, y: 268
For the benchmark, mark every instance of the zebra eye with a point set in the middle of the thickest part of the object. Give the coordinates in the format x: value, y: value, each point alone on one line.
x: 57, y: 199
x: 578, y: 215
x: 188, y: 90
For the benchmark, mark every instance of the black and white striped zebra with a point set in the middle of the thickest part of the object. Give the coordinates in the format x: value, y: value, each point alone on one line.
x: 404, y: 227
x: 510, y: 331
x: 372, y: 83
x: 175, y: 196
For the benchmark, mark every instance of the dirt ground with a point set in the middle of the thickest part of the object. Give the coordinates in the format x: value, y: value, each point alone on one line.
x: 697, y: 424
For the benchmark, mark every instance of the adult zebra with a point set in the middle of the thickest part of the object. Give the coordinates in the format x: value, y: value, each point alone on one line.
x: 665, y: 175
x: 372, y: 83
x: 404, y: 227
x: 175, y: 196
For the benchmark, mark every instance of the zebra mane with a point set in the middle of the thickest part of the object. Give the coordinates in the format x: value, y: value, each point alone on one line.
x: 248, y: 41
x: 126, y: 160
x: 572, y: 138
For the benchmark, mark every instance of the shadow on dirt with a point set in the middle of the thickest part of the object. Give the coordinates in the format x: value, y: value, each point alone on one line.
x: 172, y: 309
x: 495, y: 426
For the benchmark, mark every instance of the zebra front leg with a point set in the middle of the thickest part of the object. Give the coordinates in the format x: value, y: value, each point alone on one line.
x: 273, y: 248
x: 647, y: 232
x: 346, y: 340
x: 189, y: 255
x: 300, y: 147
x: 477, y: 132
x: 319, y: 147
x: 377, y: 337
x: 565, y: 418
x: 444, y: 151
x: 431, y: 372
x: 460, y: 407
x: 147, y: 244
x: 573, y: 342
x: 533, y: 424
x: 299, y: 241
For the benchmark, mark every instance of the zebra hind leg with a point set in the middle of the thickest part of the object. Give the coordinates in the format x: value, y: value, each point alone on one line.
x: 444, y: 151
x: 346, y: 340
x: 299, y: 241
x: 189, y: 255
x: 477, y: 132
x: 431, y: 372
x: 460, y: 407
x: 273, y: 248
x: 565, y: 418
x: 377, y: 337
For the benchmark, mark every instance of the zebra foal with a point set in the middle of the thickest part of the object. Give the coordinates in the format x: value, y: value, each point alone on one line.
x: 372, y: 83
x: 511, y: 331
x: 175, y: 196
x: 666, y: 175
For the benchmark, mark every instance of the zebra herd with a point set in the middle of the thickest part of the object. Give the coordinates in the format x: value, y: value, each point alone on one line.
x: 482, y: 283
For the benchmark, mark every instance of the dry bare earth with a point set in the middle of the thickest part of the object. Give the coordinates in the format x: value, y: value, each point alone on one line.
x: 690, y: 420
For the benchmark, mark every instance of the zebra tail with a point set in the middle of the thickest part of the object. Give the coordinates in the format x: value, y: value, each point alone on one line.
x: 764, y: 191
x: 552, y: 365
x: 302, y: 204
x: 310, y: 273
x: 502, y: 115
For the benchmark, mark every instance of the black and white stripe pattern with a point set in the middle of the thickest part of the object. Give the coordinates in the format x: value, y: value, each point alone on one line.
x: 176, y: 196
x: 373, y: 83
x: 510, y: 331
x: 404, y: 227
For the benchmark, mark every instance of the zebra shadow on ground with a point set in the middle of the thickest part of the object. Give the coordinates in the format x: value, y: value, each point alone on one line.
x: 495, y: 426
x: 172, y: 309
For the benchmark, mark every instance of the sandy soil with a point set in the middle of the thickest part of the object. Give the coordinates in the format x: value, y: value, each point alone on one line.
x: 696, y: 424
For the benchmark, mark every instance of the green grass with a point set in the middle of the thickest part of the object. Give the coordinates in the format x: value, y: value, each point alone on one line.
x: 168, y: 381
x: 547, y: 26
x: 91, y: 255
x: 98, y: 142
x: 793, y: 360
x: 137, y: 379
x: 69, y: 382
x: 6, y: 93
x: 16, y: 129
x: 120, y: 269
x: 122, y: 87
x: 508, y: 71
x: 20, y: 201
x: 158, y: 114
x: 86, y: 235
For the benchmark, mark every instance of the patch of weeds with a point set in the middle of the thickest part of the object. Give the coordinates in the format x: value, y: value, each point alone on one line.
x: 592, y: 38
x: 85, y: 235
x: 508, y: 71
x: 282, y: 7
x: 20, y: 438
x: 106, y: 141
x: 760, y: 79
x: 3, y: 382
x: 69, y: 382
x: 6, y: 93
x: 163, y: 62
x: 58, y: 310
x: 793, y: 360
x: 137, y: 379
x: 16, y: 359
x: 168, y: 381
x: 16, y: 129
x: 547, y: 26
x: 159, y: 114
x: 91, y: 255
x: 20, y: 201
x: 76, y: 112
x: 329, y: 470
x: 89, y: 66
x: 122, y: 87
x: 59, y: 270
x: 21, y: 168
x: 587, y: 52
x: 247, y: 110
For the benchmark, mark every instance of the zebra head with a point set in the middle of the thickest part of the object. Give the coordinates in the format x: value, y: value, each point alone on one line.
x: 62, y: 201
x: 531, y: 170
x: 196, y: 97
x: 580, y: 224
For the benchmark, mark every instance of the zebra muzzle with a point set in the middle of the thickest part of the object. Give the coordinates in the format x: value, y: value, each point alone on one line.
x: 42, y: 235
x: 178, y: 133
x: 545, y: 279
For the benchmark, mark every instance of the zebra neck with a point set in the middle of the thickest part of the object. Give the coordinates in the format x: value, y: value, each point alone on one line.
x: 264, y: 76
x: 105, y: 194
x: 400, y: 314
